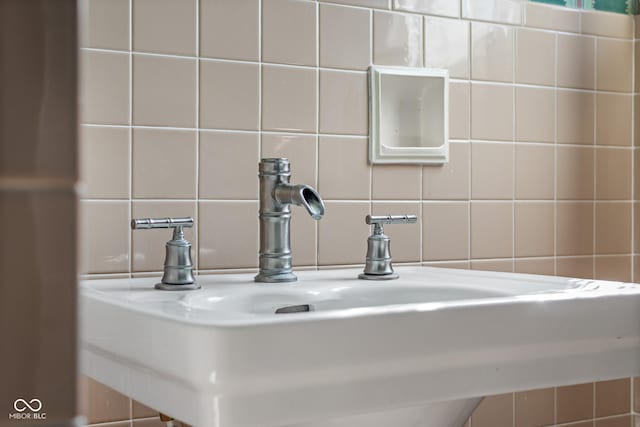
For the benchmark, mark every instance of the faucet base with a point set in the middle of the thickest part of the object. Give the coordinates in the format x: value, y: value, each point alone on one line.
x: 168, y: 287
x: 365, y: 276
x: 275, y: 278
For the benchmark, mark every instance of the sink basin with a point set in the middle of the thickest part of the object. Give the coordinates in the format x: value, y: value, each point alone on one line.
x: 332, y: 350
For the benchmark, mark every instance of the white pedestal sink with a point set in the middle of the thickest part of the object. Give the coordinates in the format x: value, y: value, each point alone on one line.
x: 418, y: 351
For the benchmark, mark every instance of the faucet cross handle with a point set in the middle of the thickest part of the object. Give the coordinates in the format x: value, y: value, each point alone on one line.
x: 378, y: 263
x: 378, y: 221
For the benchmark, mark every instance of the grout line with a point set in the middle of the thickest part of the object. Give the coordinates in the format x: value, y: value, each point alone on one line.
x: 130, y: 133
x: 555, y: 160
x: 595, y: 159
x: 513, y: 152
x: 196, y: 245
x: 317, y: 138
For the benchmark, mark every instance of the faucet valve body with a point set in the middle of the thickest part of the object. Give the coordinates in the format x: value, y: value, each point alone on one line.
x: 178, y: 267
x: 378, y: 263
x: 276, y: 197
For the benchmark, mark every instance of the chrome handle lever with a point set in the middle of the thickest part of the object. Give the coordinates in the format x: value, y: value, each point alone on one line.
x: 378, y: 263
x: 178, y: 267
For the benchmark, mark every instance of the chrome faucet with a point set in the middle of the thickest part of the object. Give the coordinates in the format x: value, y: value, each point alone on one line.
x: 276, y: 197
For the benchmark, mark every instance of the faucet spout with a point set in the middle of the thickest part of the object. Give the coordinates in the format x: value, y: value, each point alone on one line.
x: 301, y: 195
x: 277, y: 194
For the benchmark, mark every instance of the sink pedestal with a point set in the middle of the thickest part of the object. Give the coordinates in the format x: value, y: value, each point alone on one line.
x: 453, y: 413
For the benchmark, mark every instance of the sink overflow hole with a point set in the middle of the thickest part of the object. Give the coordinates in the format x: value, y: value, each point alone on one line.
x: 302, y: 308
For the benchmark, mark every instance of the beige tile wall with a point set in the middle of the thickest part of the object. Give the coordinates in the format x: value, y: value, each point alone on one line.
x: 181, y: 98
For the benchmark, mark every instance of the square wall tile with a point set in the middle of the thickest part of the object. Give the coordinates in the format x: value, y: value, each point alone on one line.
x: 461, y: 265
x: 491, y: 170
x: 636, y: 56
x: 636, y: 175
x: 377, y: 4
x: 153, y: 422
x: 344, y: 37
x: 343, y: 160
x: 105, y: 161
x: 228, y: 165
x: 138, y: 410
x: 289, y: 99
x: 576, y: 61
x: 579, y: 267
x: 616, y: 268
x: 534, y: 228
x: 495, y: 123
x: 574, y: 229
x: 559, y: 19
x: 607, y: 24
x: 623, y: 421
x: 459, y: 114
x: 289, y: 32
x: 304, y: 246
x: 574, y: 403
x: 164, y: 91
x: 613, y: 397
x: 535, y: 171
x: 491, y: 230
x: 105, y: 24
x: 451, y: 180
x: 219, y: 23
x: 228, y: 234
x: 299, y: 149
x: 433, y: 7
x: 575, y: 169
x: 165, y: 26
x: 100, y: 403
x: 396, y: 182
x: 636, y: 118
x: 491, y: 52
x: 613, y: 119
x: 446, y: 45
x: 613, y: 173
x: 500, y: 265
x: 535, y: 266
x: 535, y: 114
x: 148, y: 246
x: 229, y: 95
x: 397, y: 39
x: 536, y: 53
x: 343, y: 233
x: 405, y: 237
x: 156, y: 151
x: 614, y: 65
x: 613, y: 228
x: 494, y: 411
x: 575, y: 117
x: 535, y: 407
x: 445, y: 231
x: 104, y: 87
x: 104, y: 232
x: 343, y: 103
x: 507, y: 11
x: 636, y: 394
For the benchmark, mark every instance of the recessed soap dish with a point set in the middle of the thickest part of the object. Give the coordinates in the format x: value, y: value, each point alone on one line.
x: 408, y: 115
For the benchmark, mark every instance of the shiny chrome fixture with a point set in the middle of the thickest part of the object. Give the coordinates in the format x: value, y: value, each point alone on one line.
x: 378, y: 263
x: 276, y: 197
x: 178, y: 268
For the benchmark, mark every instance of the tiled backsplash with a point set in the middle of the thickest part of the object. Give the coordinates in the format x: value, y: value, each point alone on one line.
x: 181, y: 98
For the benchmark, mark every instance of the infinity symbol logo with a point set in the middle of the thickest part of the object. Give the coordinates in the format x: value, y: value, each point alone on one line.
x: 21, y: 405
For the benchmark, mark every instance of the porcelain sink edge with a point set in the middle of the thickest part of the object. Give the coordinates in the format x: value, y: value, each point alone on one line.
x: 556, y: 288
